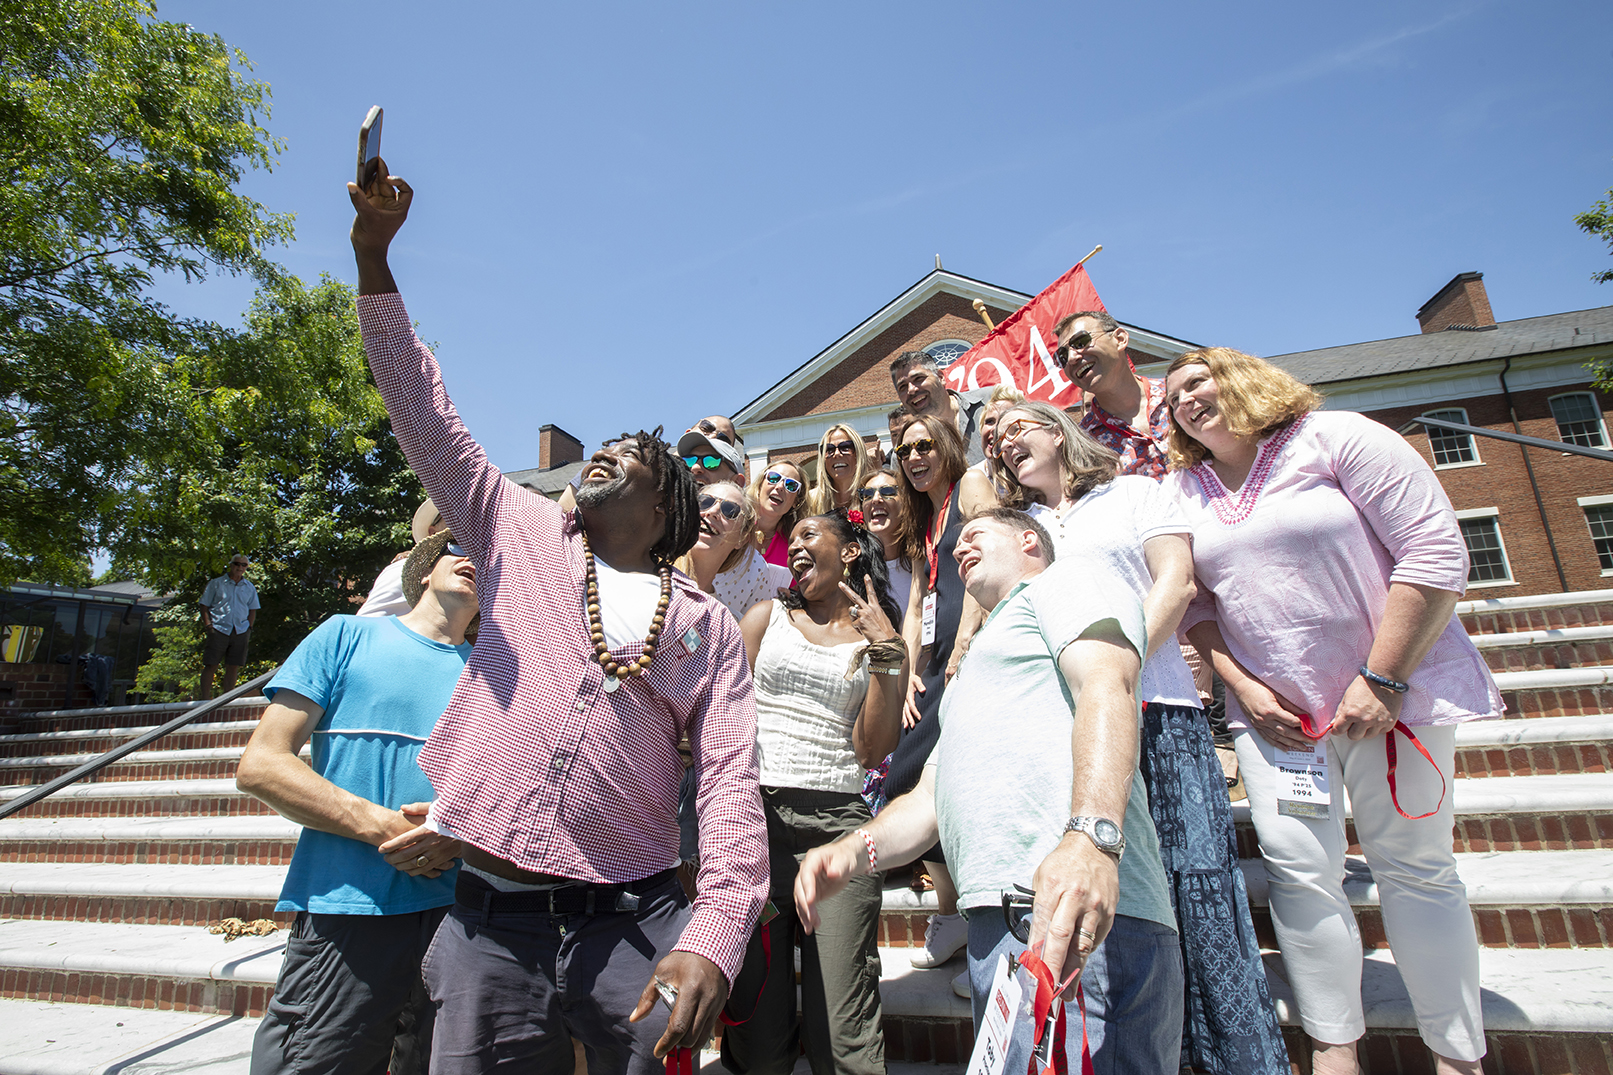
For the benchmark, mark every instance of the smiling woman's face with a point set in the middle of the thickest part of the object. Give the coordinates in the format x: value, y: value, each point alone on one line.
x: 777, y: 499
x: 840, y: 448
x: 717, y: 530
x: 922, y: 467
x: 817, y: 557
x: 1195, y: 403
x: 881, y: 510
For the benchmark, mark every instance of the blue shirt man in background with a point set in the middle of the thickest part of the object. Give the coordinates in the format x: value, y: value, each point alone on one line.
x: 368, y: 882
x: 229, y: 609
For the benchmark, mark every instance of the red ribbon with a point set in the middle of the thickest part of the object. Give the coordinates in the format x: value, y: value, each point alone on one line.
x: 680, y: 1061
x: 932, y: 536
x: 1390, y: 753
x: 1047, y: 993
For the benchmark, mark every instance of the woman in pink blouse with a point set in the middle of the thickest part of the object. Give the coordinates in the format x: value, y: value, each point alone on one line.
x: 1329, y: 563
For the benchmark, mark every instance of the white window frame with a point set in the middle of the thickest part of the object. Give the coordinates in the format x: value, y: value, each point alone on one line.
x: 966, y: 347
x: 1472, y: 441
x: 1596, y: 406
x: 1500, y: 539
x: 1594, y: 502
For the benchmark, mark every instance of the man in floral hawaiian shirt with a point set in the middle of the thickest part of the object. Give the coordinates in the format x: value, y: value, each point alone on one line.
x: 1125, y: 412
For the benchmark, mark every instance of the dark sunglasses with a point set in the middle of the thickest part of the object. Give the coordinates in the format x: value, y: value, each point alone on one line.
x: 924, y: 446
x: 730, y: 510
x: 840, y: 447
x: 877, y: 492
x: 1079, y: 342
x: 1017, y: 913
x: 773, y: 477
x: 711, y: 430
x: 709, y: 462
x: 454, y: 550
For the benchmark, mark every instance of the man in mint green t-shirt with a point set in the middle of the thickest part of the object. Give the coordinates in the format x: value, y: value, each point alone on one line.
x: 369, y: 883
x: 1033, y: 785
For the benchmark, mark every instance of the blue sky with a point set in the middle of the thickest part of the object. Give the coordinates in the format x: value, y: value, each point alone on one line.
x: 629, y: 214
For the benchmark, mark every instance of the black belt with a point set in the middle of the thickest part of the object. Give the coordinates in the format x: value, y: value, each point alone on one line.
x: 477, y: 896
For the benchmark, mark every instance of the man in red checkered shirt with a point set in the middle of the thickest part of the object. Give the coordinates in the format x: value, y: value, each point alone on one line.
x: 560, y: 776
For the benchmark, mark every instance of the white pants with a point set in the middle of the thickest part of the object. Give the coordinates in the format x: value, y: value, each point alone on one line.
x: 1424, y: 902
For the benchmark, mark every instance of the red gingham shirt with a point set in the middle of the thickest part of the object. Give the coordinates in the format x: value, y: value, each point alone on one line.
x: 534, y: 761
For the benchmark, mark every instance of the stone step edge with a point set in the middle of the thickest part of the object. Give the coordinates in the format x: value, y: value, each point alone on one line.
x: 38, y: 1037
x: 69, y: 736
x: 1545, y: 636
x: 200, y: 788
x: 1526, y: 731
x: 175, y: 708
x: 1479, y: 606
x: 1553, y: 678
x: 139, y: 757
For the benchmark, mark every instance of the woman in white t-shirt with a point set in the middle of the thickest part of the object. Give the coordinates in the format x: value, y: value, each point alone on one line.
x: 830, y: 672
x: 723, y: 562
x: 1130, y: 527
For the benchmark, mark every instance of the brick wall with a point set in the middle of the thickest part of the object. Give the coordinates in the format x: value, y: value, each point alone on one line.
x: 1503, y: 483
x: 38, y: 686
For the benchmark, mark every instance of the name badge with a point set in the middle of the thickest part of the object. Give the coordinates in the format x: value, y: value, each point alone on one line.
x: 927, y: 638
x: 1302, y: 784
x: 1002, y: 1011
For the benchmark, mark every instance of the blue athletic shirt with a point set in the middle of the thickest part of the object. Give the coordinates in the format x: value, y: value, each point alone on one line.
x: 382, y: 687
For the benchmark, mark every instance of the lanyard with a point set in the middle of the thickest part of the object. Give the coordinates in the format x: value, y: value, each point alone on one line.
x: 1047, y: 994
x: 1389, y: 752
x: 933, y: 535
x: 680, y: 1061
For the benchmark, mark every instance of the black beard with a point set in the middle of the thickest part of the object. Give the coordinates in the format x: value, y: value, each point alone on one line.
x: 596, y: 493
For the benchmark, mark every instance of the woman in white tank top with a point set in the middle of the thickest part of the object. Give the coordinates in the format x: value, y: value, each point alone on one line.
x: 831, y: 672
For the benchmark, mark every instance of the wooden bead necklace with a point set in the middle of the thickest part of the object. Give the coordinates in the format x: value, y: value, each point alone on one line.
x: 614, y: 672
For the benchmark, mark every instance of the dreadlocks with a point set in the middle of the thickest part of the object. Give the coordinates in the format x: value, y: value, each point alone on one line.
x: 680, y: 496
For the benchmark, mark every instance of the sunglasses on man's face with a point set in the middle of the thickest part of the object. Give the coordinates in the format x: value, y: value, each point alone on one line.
x: 877, y: 492
x: 709, y: 462
x: 840, y: 447
x: 773, y: 477
x: 1079, y: 342
x: 711, y: 430
x: 455, y: 550
x: 730, y: 510
x: 923, y: 446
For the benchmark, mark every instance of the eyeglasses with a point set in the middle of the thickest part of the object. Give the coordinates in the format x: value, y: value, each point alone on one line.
x: 711, y: 430
x: 1079, y: 342
x: 1017, y: 913
x: 709, y: 462
x: 840, y: 447
x: 773, y: 477
x: 877, y: 492
x: 730, y: 510
x: 923, y: 446
x: 1015, y: 429
x: 454, y: 550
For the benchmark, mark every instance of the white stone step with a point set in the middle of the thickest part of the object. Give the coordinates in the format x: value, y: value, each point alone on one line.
x: 139, y: 757
x: 1531, y: 730
x: 222, y: 788
x: 245, y: 882
x: 41, y: 1038
x: 127, y: 829
x: 1546, y: 637
x: 1545, y: 679
x: 1558, y: 793
x: 1528, y: 601
x: 187, y: 952
x: 1493, y: 878
x: 122, y: 733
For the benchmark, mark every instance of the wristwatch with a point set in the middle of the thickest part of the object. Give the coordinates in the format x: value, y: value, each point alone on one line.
x: 1103, y: 833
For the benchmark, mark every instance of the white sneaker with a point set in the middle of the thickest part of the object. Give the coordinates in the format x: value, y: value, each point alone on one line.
x: 943, y: 938
x: 960, y: 985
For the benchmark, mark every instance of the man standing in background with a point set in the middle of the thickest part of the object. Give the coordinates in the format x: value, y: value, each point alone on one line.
x: 229, y: 609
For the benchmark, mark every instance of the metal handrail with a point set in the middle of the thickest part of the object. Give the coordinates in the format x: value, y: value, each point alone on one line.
x: 1515, y: 438
x: 95, y: 765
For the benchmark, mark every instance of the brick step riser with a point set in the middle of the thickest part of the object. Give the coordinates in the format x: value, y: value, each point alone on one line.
x: 72, y: 722
x: 1537, y: 619
x: 1532, y: 657
x: 1499, y: 832
x: 220, y: 769
x: 1402, y: 1052
x: 132, y: 991
x: 1536, y: 759
x: 1563, y: 702
x: 140, y: 910
x: 236, y: 806
x: 170, y: 852
x: 39, y: 748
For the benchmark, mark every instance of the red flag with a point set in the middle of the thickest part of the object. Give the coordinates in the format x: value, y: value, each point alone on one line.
x: 1018, y: 351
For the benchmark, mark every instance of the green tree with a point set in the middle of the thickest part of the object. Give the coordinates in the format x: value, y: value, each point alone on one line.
x: 1598, y: 221
x: 293, y: 462
x: 121, y: 141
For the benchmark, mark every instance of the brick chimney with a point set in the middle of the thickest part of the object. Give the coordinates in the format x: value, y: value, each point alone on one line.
x: 1461, y: 303
x: 556, y: 447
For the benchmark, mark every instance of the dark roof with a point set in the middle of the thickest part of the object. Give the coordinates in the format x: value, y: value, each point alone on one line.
x: 549, y: 482
x: 1452, y: 347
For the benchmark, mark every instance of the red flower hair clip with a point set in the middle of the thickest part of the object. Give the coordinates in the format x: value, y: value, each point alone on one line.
x: 855, y: 516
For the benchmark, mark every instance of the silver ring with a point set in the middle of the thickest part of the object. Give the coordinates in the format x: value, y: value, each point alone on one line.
x: 1088, y: 934
x: 855, y: 612
x: 422, y: 861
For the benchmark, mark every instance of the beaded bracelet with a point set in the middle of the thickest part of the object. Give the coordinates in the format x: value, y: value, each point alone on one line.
x: 1383, y: 681
x: 873, y: 856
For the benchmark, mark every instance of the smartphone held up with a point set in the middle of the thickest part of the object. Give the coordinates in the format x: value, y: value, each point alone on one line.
x: 369, y: 149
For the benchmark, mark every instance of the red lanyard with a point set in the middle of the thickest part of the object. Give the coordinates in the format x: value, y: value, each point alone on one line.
x: 681, y: 1061
x: 1389, y: 752
x: 932, y: 536
x: 1047, y: 993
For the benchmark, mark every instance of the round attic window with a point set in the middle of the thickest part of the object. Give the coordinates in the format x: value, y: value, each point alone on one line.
x: 946, y: 352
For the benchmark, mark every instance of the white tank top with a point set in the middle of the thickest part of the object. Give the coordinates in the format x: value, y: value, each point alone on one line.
x: 805, y: 709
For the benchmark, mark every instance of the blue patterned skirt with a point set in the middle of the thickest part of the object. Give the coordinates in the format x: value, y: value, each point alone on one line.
x: 1231, y: 1024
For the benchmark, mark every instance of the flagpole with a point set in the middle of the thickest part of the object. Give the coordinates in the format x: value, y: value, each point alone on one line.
x: 980, y: 308
x: 1084, y: 260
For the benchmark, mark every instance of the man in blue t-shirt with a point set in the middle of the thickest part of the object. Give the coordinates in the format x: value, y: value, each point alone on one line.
x: 368, y: 881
